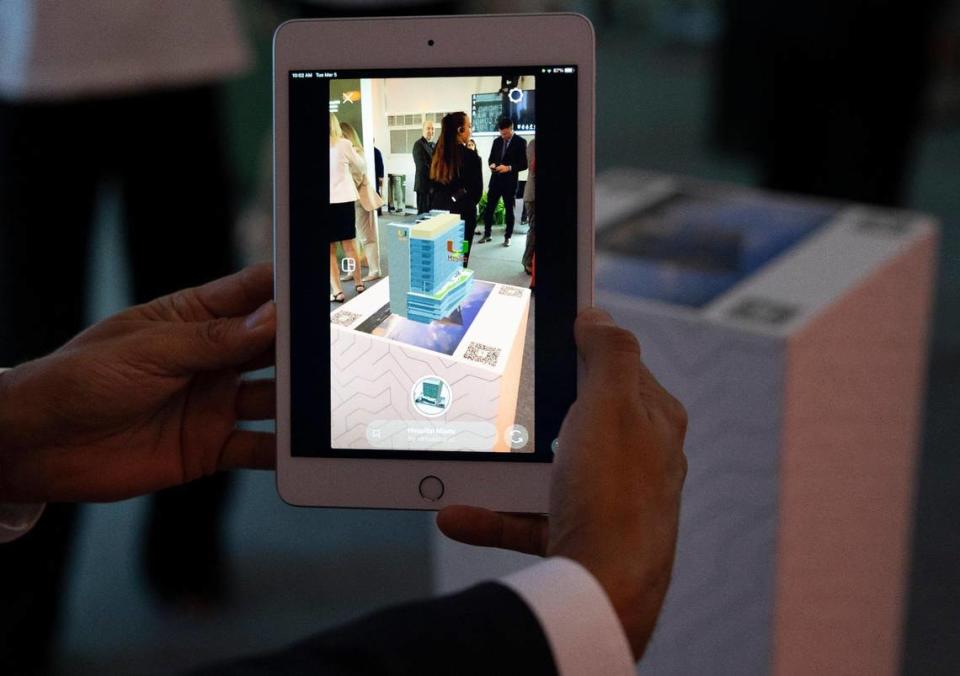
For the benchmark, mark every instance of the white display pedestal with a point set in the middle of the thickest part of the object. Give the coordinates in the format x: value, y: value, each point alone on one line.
x: 803, y: 382
x: 377, y: 360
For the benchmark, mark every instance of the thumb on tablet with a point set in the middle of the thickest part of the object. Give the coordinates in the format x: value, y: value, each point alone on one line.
x: 525, y: 533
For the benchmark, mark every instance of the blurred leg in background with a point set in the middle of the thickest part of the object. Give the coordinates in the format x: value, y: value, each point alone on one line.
x: 178, y: 215
x: 166, y: 150
x: 74, y: 112
x: 48, y: 188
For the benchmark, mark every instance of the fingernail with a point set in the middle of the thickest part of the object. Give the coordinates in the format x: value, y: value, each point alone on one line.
x: 263, y: 315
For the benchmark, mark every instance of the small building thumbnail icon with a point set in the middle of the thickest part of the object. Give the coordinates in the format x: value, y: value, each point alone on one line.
x: 427, y: 277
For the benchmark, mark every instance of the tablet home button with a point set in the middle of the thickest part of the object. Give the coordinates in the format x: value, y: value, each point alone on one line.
x: 431, y: 488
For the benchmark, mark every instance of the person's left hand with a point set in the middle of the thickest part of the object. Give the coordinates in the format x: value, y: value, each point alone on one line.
x: 144, y: 400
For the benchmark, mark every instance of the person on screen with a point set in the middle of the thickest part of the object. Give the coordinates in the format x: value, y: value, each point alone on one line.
x: 379, y: 172
x: 342, y: 224
x: 472, y: 145
x: 422, y: 156
x: 508, y: 157
x: 150, y: 398
x: 367, y: 202
x: 457, y: 175
x: 529, y: 191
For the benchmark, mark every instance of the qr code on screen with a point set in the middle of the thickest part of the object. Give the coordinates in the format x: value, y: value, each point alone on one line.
x: 344, y: 318
x: 483, y: 354
x: 511, y: 291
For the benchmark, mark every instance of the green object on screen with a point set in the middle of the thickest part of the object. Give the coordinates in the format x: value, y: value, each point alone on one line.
x: 499, y: 214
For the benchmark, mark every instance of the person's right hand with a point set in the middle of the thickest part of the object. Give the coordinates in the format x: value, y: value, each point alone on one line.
x: 144, y: 400
x: 615, y: 495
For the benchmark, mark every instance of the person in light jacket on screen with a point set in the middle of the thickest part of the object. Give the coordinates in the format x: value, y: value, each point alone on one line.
x: 342, y: 218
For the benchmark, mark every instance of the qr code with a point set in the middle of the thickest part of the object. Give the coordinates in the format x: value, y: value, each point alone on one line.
x: 880, y: 223
x: 514, y: 291
x: 344, y: 318
x: 763, y: 311
x: 483, y: 354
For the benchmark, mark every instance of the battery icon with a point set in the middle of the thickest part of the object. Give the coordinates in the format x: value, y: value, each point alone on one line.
x: 568, y: 70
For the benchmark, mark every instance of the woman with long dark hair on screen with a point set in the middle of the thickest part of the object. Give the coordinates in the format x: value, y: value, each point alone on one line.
x: 457, y: 174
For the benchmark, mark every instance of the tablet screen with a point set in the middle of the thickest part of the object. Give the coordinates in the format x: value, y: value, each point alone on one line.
x: 433, y: 266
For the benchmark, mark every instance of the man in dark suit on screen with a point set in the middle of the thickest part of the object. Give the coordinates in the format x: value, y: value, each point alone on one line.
x: 422, y: 157
x: 508, y: 158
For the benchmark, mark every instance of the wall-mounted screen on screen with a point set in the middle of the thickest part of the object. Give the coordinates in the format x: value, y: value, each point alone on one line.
x: 517, y: 104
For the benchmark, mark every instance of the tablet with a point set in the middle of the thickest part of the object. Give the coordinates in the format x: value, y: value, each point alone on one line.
x: 425, y: 353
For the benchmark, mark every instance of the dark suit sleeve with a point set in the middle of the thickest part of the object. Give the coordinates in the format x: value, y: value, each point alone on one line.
x: 421, y: 160
x: 486, y: 629
x: 420, y: 157
x: 519, y: 151
x: 495, y: 151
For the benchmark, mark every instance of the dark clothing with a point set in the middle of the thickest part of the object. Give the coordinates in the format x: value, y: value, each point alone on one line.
x: 378, y: 168
x: 424, y: 202
x: 176, y: 204
x: 515, y: 156
x: 827, y: 96
x: 422, y: 156
x: 527, y: 259
x: 469, y: 229
x: 36, y: 564
x: 504, y: 186
x: 164, y: 152
x: 343, y: 222
x: 379, y: 173
x: 494, y: 195
x: 462, y: 194
x: 487, y: 629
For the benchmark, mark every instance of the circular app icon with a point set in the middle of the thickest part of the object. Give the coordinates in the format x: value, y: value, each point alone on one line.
x: 516, y: 436
x: 432, y: 396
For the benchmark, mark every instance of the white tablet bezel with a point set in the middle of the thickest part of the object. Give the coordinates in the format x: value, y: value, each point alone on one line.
x: 540, y: 39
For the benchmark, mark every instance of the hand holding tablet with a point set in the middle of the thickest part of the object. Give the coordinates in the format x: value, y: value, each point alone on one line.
x: 615, y: 445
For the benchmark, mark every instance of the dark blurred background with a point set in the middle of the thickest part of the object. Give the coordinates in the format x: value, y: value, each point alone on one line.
x: 854, y: 99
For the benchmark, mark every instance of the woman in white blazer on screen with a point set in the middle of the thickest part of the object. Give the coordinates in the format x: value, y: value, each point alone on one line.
x: 344, y: 162
x: 368, y: 201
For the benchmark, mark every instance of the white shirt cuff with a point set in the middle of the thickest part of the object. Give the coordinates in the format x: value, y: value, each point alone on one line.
x: 17, y: 519
x: 579, y: 621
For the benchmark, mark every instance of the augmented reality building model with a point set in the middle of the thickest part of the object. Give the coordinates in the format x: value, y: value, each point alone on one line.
x: 427, y: 277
